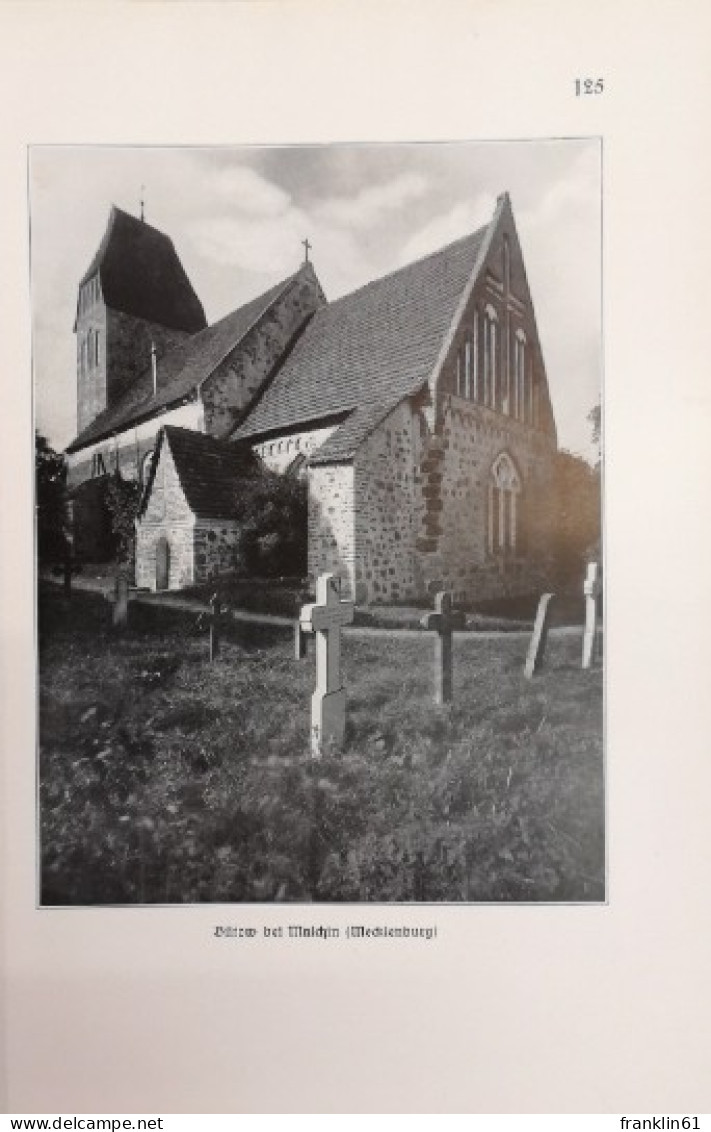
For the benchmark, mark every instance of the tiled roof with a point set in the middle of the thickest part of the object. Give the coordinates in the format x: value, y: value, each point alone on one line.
x: 213, y: 474
x: 342, y: 443
x: 371, y: 348
x: 180, y: 371
x: 141, y: 274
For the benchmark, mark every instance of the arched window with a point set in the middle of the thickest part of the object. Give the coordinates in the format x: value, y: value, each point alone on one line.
x: 504, y: 506
x: 491, y: 357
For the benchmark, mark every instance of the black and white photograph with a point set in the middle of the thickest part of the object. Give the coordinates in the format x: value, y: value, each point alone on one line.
x: 319, y: 523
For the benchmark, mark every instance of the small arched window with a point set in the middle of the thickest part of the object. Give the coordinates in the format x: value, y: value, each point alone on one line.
x: 504, y: 510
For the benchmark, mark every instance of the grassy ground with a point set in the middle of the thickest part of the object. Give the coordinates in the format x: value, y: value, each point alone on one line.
x: 166, y: 779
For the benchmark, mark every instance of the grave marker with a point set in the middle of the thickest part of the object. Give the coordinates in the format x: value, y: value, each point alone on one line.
x: 443, y: 621
x: 326, y: 617
x: 591, y: 589
x: 120, y: 610
x: 537, y: 647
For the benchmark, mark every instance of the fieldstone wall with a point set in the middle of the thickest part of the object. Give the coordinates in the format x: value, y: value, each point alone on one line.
x: 332, y: 525
x: 91, y: 378
x: 233, y: 385
x: 452, y: 510
x: 216, y: 548
x: 387, y: 494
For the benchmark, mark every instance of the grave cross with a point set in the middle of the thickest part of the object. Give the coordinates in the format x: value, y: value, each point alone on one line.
x: 591, y: 589
x: 325, y: 617
x: 443, y: 621
x: 537, y: 647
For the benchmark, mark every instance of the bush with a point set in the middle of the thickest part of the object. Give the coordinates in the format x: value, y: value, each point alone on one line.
x: 122, y: 498
x: 275, y: 526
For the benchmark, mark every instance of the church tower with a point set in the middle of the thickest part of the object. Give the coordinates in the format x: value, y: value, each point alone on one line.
x: 133, y: 298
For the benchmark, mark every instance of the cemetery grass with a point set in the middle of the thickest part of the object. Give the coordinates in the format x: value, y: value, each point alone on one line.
x: 166, y: 780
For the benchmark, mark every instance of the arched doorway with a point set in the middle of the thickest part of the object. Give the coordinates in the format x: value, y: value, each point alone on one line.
x: 162, y: 563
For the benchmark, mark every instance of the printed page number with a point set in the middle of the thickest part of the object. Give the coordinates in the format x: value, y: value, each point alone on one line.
x: 588, y: 86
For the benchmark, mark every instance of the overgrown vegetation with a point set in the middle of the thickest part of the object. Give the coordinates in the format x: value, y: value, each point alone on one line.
x: 50, y: 500
x: 275, y: 525
x: 122, y: 498
x: 164, y: 779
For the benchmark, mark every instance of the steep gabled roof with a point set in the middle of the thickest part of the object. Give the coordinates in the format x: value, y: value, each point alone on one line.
x: 141, y: 275
x: 369, y: 349
x: 182, y: 370
x: 213, y: 474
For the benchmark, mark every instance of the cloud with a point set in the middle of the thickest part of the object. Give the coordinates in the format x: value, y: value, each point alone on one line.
x: 372, y: 205
x: 463, y: 218
x: 250, y: 192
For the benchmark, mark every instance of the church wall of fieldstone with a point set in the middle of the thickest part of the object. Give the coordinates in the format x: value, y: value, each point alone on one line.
x: 453, y: 545
x: 387, y: 496
x: 232, y: 386
x: 216, y: 548
x: 91, y: 378
x: 331, y: 524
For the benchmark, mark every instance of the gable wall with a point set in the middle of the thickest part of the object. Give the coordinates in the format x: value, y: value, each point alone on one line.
x: 233, y: 385
x: 169, y: 515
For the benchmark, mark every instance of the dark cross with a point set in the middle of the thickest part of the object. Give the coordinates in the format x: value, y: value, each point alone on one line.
x: 443, y: 621
x: 307, y: 248
x: 216, y: 612
x: 537, y: 647
x: 143, y: 190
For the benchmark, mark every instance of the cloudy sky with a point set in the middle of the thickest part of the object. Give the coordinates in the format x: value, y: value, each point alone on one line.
x: 237, y: 217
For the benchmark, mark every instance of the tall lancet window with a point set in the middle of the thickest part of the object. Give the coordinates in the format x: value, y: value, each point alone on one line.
x: 491, y: 357
x: 504, y: 506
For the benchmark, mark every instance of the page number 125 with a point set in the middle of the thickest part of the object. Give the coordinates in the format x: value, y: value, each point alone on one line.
x: 588, y: 86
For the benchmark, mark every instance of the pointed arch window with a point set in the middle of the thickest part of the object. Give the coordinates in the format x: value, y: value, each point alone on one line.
x: 520, y: 391
x: 504, y: 506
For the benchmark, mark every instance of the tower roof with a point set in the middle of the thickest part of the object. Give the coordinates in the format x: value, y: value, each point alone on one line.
x: 141, y: 275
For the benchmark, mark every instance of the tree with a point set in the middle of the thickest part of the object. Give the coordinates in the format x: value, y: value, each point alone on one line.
x: 274, y: 520
x: 50, y: 501
x: 122, y: 497
x: 578, y: 530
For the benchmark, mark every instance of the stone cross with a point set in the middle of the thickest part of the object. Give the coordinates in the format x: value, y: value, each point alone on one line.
x: 443, y: 621
x: 591, y: 589
x: 537, y: 647
x: 326, y: 617
x: 120, y: 611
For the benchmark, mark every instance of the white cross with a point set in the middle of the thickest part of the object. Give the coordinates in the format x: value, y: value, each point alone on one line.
x: 325, y: 617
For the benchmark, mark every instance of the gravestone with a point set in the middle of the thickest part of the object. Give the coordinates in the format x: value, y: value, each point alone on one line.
x: 120, y: 610
x: 537, y: 647
x: 326, y: 617
x: 591, y: 589
x: 443, y: 621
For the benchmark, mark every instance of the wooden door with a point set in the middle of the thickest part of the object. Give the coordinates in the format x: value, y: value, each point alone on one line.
x: 162, y: 563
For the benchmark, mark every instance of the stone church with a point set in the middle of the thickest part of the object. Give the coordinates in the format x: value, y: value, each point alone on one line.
x: 417, y: 409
